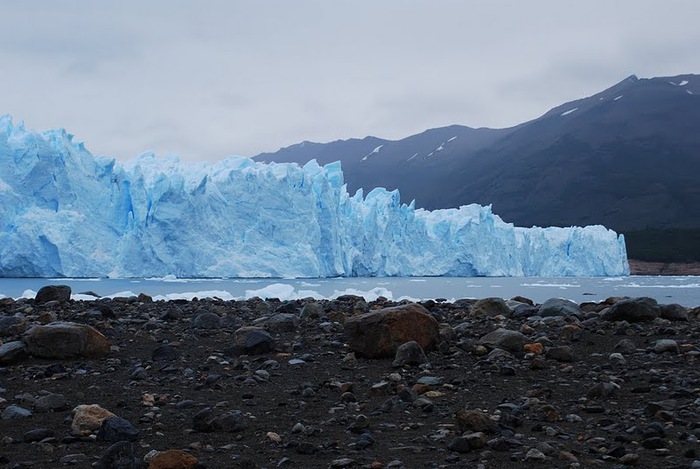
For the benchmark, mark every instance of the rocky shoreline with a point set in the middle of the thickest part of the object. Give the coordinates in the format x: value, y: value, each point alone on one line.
x: 638, y: 267
x: 132, y: 383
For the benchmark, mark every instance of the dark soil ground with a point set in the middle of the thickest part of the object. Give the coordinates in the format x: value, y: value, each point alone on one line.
x: 301, y: 402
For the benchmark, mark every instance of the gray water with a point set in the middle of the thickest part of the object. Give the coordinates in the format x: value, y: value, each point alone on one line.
x: 682, y: 290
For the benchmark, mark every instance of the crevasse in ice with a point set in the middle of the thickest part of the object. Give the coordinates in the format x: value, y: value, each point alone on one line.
x: 65, y: 212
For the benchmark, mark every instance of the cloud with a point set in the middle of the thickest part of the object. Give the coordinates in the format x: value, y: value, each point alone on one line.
x: 207, y: 80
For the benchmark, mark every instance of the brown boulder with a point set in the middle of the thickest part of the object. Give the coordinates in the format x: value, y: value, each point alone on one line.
x: 65, y: 340
x: 380, y: 333
x: 173, y: 459
x: 474, y: 420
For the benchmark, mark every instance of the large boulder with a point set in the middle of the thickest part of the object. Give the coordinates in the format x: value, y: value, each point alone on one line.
x: 65, y: 340
x: 380, y: 333
x: 673, y: 312
x: 10, y: 325
x: 559, y: 307
x: 632, y: 310
x: 282, y: 322
x: 505, y: 339
x: 53, y: 293
x: 251, y: 340
x: 490, y: 307
x: 12, y: 352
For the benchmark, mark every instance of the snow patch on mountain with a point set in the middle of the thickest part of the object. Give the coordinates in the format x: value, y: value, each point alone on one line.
x: 373, y: 152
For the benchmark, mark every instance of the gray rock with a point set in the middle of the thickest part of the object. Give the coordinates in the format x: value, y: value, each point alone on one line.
x: 37, y: 434
x: 535, y: 455
x: 559, y: 307
x: 506, y: 339
x: 601, y: 390
x: 12, y: 352
x: 66, y: 340
x: 231, y: 422
x: 282, y: 322
x: 410, y: 353
x: 117, y: 429
x: 562, y: 353
x: 172, y: 314
x: 522, y: 310
x: 73, y: 459
x: 460, y: 445
x: 12, y: 412
x: 632, y: 310
x: 430, y: 380
x: 166, y: 353
x: 490, y: 307
x: 665, y: 345
x: 673, y: 312
x: 312, y: 310
x: 625, y: 346
x: 499, y: 354
x: 206, y: 321
x: 51, y: 402
x: 617, y: 359
x: 250, y: 340
x: 53, y: 293
x: 10, y: 325
x: 120, y: 455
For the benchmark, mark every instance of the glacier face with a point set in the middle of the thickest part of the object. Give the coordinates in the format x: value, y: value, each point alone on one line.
x: 65, y: 212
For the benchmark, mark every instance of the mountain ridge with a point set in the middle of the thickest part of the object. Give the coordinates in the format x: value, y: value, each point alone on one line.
x: 625, y: 157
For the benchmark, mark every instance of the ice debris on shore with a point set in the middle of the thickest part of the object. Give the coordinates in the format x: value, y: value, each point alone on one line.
x: 66, y: 212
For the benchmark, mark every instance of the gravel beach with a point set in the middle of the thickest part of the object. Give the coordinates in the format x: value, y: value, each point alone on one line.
x: 490, y: 383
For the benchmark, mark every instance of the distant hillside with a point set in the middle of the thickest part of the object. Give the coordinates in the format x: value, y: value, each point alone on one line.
x: 627, y: 157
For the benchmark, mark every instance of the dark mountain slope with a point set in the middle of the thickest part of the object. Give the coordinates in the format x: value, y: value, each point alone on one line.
x: 627, y: 157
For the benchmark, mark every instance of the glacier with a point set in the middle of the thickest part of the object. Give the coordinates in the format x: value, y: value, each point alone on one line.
x: 67, y: 213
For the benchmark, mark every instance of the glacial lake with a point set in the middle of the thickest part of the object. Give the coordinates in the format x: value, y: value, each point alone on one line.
x: 682, y: 290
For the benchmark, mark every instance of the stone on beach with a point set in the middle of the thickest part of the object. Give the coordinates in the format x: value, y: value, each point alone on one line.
x: 410, y: 353
x: 509, y: 340
x: 65, y: 340
x: 632, y: 310
x: 53, y: 293
x: 173, y: 459
x: 559, y: 307
x: 380, y: 333
x: 490, y: 307
x: 12, y: 352
x: 251, y: 340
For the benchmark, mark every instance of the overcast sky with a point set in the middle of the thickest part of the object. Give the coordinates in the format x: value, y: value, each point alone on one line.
x: 210, y: 79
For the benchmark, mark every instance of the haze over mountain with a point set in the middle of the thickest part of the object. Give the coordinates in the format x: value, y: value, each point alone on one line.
x: 627, y: 157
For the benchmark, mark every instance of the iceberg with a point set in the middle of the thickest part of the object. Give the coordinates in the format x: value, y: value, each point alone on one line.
x: 67, y: 213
